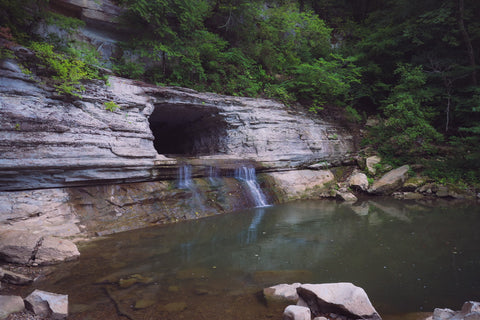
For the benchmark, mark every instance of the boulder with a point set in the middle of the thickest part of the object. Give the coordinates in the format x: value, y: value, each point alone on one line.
x: 282, y: 292
x: 18, y: 246
x: 442, y: 314
x: 470, y: 311
x: 470, y: 306
x: 47, y: 304
x: 298, y: 184
x: 24, y: 247
x: 53, y: 250
x: 371, y: 162
x: 343, y: 299
x: 413, y: 183
x: 346, y: 196
x: 358, y: 181
x: 14, y: 278
x: 391, y: 181
x: 9, y: 305
x: 297, y: 313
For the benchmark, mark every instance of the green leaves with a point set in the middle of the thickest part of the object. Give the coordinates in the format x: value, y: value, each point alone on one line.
x: 325, y: 81
x: 65, y: 72
x: 407, y: 128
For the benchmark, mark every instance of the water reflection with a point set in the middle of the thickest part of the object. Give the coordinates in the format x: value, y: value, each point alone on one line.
x: 407, y: 256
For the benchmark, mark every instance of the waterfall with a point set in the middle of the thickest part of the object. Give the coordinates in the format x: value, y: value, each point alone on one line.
x: 213, y: 176
x: 247, y: 175
x: 185, y: 177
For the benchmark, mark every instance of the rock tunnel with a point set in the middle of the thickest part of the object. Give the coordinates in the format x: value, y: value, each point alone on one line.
x: 187, y: 130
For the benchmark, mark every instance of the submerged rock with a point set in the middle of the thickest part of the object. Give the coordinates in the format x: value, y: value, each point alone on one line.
x: 175, y: 306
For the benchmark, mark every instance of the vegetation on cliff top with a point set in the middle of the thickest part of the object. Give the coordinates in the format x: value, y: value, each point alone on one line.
x: 410, y: 64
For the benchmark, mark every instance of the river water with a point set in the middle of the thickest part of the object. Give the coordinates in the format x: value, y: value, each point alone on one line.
x: 409, y: 257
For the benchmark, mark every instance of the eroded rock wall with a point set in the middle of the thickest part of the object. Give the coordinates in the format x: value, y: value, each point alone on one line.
x: 58, y: 154
x: 47, y: 141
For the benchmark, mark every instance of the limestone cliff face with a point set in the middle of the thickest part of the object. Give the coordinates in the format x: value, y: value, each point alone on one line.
x: 69, y: 166
x: 46, y: 141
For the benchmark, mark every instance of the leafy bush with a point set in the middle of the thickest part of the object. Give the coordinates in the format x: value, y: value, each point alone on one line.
x: 65, y: 72
x: 111, y: 106
x: 407, y: 129
x: 324, y: 81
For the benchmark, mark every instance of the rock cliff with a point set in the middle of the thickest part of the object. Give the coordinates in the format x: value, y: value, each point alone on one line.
x: 47, y: 141
x: 58, y: 153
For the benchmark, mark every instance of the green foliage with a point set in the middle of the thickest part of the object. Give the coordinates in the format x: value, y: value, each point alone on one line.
x: 65, y: 72
x: 111, y: 106
x: 68, y: 24
x: 407, y: 130
x: 325, y: 81
x: 287, y: 37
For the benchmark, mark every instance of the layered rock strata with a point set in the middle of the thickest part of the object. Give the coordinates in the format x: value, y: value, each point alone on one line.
x: 46, y: 141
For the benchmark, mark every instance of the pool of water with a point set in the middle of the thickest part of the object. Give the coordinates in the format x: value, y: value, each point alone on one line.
x: 409, y: 257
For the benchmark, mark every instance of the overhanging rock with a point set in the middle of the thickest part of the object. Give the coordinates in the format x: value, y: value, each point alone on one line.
x: 49, y: 142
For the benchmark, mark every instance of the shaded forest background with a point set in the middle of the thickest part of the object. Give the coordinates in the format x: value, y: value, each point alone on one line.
x: 410, y: 67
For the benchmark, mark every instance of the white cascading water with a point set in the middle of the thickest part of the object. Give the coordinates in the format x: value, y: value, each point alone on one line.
x: 213, y: 175
x: 247, y: 175
x: 185, y: 177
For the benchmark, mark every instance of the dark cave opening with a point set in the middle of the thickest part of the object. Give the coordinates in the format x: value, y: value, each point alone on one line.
x: 187, y: 130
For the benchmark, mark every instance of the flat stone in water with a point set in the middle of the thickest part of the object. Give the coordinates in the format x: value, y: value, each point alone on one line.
x: 144, y: 303
x: 175, y: 307
x: 134, y: 279
x: 193, y: 273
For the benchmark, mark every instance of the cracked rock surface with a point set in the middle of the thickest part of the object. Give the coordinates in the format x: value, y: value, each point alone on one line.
x: 27, y: 248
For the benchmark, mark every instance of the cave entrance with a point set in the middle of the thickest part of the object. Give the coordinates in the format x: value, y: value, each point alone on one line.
x: 187, y: 130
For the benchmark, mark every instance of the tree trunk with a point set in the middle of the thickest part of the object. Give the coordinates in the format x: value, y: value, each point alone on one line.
x: 466, y: 39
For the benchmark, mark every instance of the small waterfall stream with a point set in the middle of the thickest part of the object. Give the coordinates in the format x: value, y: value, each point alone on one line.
x: 247, y: 175
x: 185, y: 177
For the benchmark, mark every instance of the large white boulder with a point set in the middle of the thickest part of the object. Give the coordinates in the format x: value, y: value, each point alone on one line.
x: 343, y: 299
x: 391, y: 181
x: 298, y: 184
x: 47, y: 304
